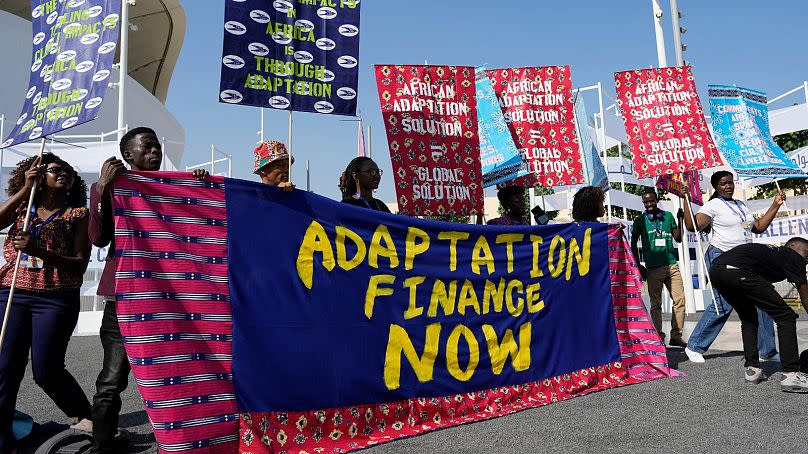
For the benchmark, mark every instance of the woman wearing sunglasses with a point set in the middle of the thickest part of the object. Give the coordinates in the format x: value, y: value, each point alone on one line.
x: 357, y: 183
x: 54, y: 252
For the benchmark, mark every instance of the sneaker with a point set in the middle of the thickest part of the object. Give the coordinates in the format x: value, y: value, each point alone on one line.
x: 694, y: 357
x: 794, y: 382
x: 774, y: 358
x: 754, y: 375
x: 678, y: 343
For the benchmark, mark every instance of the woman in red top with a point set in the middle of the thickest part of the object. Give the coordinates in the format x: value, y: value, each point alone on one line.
x: 54, y: 252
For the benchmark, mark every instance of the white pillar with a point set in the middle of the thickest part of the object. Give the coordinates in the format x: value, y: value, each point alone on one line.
x: 677, y: 34
x: 123, y: 67
x: 660, y: 35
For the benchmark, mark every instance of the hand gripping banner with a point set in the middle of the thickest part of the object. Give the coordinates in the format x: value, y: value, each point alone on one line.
x: 291, y: 55
x: 430, y: 115
x: 332, y: 330
x: 74, y: 48
x: 664, y: 121
x: 741, y: 126
x: 538, y: 106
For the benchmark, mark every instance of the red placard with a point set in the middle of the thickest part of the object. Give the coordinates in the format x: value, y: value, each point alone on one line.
x: 538, y: 107
x: 430, y: 114
x: 664, y: 121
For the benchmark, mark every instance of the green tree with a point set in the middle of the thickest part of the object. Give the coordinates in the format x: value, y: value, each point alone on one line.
x: 788, y: 142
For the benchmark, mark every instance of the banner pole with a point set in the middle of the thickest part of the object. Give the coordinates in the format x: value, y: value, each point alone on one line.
x: 708, y: 284
x: 777, y: 184
x: 290, y: 146
x: 123, y: 67
x: 19, y: 256
x: 369, y: 144
x: 603, y: 146
x: 261, y: 131
x: 2, y: 150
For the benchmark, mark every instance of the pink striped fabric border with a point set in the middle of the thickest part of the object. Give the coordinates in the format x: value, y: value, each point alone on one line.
x: 173, y: 307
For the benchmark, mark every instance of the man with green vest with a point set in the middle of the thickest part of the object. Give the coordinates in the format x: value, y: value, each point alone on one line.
x: 658, y: 230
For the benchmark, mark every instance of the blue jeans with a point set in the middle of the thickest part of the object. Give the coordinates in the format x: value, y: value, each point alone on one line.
x: 710, y: 324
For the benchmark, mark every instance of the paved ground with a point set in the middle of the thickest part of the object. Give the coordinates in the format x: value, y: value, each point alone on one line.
x: 711, y: 410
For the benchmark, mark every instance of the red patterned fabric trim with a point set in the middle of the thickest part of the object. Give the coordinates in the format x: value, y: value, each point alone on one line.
x: 341, y: 430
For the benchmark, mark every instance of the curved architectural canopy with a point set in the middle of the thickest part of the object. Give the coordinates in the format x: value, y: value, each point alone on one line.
x: 155, y: 40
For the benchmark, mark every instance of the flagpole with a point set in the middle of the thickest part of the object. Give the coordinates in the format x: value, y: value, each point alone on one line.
x: 603, y: 145
x: 19, y: 255
x: 261, y: 132
x: 290, y: 146
x: 370, y: 142
x: 123, y: 67
x: 708, y: 284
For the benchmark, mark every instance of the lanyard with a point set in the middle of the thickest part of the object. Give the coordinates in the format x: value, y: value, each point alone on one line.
x: 37, y: 230
x: 366, y: 202
x: 655, y: 222
x: 740, y: 213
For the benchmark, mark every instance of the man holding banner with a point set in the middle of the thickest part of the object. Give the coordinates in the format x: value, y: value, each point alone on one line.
x: 658, y: 230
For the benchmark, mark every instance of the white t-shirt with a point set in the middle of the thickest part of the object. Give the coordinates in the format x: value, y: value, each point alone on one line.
x: 728, y: 218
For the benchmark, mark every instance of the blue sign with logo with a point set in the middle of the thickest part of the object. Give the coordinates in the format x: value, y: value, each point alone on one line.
x: 741, y: 129
x: 291, y: 55
x: 74, y: 48
x: 501, y: 160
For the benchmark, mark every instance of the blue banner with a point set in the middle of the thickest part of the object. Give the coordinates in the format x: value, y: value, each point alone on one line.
x: 74, y: 47
x: 594, y: 172
x: 360, y: 309
x: 291, y: 55
x: 501, y: 160
x: 740, y: 119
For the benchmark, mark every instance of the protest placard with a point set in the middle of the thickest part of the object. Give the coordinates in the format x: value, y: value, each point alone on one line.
x: 74, y: 46
x: 538, y: 107
x: 291, y: 55
x: 664, y: 121
x: 430, y: 115
x: 740, y: 119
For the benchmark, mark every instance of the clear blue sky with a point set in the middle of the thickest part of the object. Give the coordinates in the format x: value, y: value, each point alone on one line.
x: 751, y: 43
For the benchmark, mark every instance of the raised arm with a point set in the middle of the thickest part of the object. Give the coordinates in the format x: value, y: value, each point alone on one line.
x: 765, y: 221
x: 702, y: 220
x: 8, y: 210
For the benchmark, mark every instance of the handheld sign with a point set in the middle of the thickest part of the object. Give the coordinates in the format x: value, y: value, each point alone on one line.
x: 291, y: 55
x: 664, y: 121
x: 74, y: 48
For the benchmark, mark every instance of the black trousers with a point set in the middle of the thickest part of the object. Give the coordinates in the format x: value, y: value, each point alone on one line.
x: 39, y: 323
x: 746, y: 291
x: 111, y: 382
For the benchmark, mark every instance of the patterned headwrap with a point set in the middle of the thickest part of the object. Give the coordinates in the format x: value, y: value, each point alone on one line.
x: 268, y: 152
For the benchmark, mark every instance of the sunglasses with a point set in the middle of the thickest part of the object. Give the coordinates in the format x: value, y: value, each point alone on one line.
x: 373, y: 172
x: 57, y: 171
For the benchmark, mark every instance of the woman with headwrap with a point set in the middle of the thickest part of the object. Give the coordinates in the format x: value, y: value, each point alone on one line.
x: 357, y: 183
x: 730, y: 224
